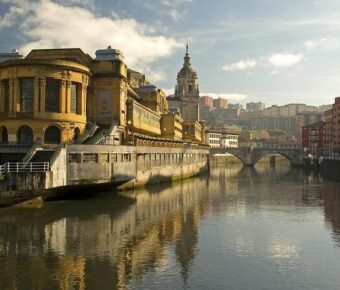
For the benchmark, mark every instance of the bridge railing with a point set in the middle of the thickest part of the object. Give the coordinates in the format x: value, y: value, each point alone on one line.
x: 24, y: 167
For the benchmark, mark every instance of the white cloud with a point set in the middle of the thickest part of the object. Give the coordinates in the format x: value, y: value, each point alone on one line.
x: 310, y: 45
x: 173, y: 8
x: 285, y: 59
x: 47, y: 24
x: 241, y: 65
x: 277, y: 60
x: 154, y: 75
x: 17, y: 8
x: 326, y: 44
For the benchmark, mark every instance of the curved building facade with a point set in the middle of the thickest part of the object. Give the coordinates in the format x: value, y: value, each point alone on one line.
x: 43, y: 98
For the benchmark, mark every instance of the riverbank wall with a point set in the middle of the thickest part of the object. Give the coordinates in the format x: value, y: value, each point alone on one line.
x: 73, y: 168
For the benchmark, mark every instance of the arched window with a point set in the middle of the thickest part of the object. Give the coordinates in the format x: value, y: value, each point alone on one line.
x: 76, y: 134
x: 25, y: 135
x: 52, y: 135
x: 4, y: 135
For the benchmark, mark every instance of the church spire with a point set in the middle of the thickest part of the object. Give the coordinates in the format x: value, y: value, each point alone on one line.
x: 187, y: 57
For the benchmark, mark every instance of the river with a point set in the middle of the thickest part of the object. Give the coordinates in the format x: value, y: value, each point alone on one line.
x: 236, y: 228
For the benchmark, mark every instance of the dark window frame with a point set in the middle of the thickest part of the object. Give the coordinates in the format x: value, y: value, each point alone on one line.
x: 27, y: 95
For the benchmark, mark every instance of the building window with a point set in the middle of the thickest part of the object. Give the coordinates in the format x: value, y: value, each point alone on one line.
x: 26, y: 94
x: 127, y: 157
x: 74, y: 158
x: 52, y: 95
x: 90, y: 158
x: 6, y: 95
x: 104, y: 158
x: 74, y: 98
x: 4, y: 135
x: 76, y: 134
x: 25, y: 135
x: 52, y: 135
x: 113, y: 157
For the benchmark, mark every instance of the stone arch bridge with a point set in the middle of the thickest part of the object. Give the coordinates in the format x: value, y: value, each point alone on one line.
x: 249, y: 156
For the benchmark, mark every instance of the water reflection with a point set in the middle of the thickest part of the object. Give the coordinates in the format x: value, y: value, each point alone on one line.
x: 164, y: 236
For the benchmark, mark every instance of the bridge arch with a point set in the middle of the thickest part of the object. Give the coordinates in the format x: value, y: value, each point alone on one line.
x: 238, y: 157
x: 250, y: 156
x: 239, y: 153
x: 262, y: 154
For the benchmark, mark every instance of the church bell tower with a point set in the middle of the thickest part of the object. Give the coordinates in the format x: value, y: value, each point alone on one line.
x: 187, y: 90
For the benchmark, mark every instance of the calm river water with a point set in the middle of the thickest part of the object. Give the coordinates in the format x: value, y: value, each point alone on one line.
x: 239, y: 228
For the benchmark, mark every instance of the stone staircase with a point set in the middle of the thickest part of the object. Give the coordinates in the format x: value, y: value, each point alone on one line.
x: 106, y: 136
x: 89, y: 132
x: 36, y: 147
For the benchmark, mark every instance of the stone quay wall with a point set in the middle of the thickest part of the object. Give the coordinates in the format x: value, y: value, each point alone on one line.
x: 79, y: 166
x: 127, y: 166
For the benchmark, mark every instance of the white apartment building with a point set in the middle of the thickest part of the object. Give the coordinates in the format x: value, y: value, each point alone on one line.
x: 213, y: 138
x: 219, y: 138
x: 229, y: 140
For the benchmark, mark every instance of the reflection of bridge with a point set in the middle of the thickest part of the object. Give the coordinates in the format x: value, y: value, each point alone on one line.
x: 249, y: 156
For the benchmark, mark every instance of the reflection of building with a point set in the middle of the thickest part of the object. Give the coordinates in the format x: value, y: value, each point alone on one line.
x: 331, y: 196
x: 113, y: 242
x: 103, y: 246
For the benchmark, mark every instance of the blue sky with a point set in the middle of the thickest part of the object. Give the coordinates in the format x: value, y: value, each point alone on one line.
x: 274, y: 51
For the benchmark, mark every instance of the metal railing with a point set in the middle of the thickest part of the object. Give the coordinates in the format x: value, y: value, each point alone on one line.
x: 24, y: 167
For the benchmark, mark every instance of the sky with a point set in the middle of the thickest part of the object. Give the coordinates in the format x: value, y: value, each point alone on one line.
x: 272, y: 51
